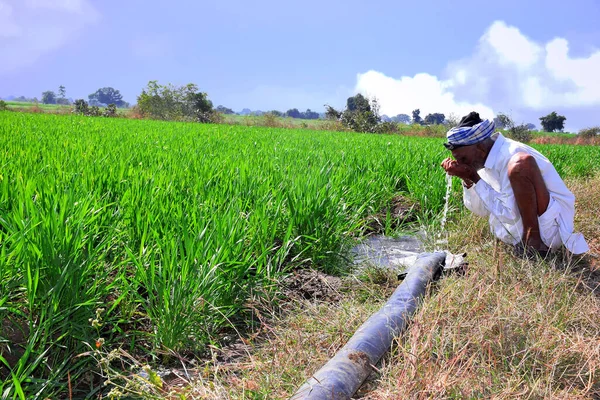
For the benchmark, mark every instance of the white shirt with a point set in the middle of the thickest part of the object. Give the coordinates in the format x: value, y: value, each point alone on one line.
x: 493, y: 196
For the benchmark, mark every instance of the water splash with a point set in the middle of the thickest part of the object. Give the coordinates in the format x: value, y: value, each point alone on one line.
x: 444, y: 241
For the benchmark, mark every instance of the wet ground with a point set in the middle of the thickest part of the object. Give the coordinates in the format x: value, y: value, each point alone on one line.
x: 386, y: 252
x: 397, y: 254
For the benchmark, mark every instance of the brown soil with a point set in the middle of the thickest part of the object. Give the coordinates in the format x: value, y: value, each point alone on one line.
x: 15, y: 334
x: 312, y: 285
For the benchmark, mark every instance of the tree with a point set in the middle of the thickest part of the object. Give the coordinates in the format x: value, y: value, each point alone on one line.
x: 503, y: 121
x: 331, y: 113
x: 49, y: 97
x: 110, y: 111
x: 308, y: 114
x: 292, y: 113
x: 358, y: 103
x: 361, y: 115
x: 452, y: 121
x: 516, y: 132
x: 224, y: 110
x: 62, y: 91
x: 107, y: 95
x: 81, y: 107
x: 435, y: 119
x: 172, y: 102
x: 530, y: 126
x: 276, y: 113
x: 416, y: 117
x: 402, y: 118
x: 498, y: 122
x: 553, y: 122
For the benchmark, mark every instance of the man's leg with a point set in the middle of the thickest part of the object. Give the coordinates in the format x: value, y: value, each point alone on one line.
x: 531, y: 194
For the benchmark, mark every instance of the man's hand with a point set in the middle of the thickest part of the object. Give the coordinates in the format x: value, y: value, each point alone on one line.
x: 463, y: 171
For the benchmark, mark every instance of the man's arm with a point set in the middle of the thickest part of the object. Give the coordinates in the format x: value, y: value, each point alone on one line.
x: 500, y: 204
x: 473, y: 201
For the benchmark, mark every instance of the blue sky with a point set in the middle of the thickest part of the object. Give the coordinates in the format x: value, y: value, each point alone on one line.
x: 526, y: 58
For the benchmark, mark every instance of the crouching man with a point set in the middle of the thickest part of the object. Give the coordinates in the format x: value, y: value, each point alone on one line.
x: 527, y: 202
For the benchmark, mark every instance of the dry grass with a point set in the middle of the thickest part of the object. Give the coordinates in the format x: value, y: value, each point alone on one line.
x: 571, y: 139
x: 301, y: 339
x: 509, y: 328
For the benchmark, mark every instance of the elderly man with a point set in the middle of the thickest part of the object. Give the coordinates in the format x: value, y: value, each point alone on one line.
x: 514, y: 185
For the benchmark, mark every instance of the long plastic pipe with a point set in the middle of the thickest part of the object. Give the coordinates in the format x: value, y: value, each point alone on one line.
x: 341, y: 377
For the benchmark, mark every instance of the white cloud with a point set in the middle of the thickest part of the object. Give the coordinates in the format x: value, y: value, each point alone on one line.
x: 30, y: 29
x: 506, y: 72
x: 511, y: 46
x: 423, y: 91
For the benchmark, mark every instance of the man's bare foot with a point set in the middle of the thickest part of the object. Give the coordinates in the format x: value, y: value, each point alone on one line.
x: 528, y: 251
x: 536, y: 244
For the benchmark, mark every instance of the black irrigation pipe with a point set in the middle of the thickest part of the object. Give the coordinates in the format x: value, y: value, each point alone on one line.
x: 341, y: 377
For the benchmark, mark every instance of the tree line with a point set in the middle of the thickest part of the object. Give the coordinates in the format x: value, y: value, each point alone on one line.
x: 187, y: 102
x: 101, y: 97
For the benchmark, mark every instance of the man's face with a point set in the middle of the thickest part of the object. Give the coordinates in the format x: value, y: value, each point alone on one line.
x: 469, y: 155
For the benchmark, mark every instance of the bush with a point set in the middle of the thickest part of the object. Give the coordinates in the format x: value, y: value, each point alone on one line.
x: 94, y: 111
x: 519, y: 133
x: 110, y: 111
x: 360, y: 115
x: 179, y: 103
x: 452, y: 121
x: 388, y: 127
x: 134, y: 113
x: 590, y: 132
x: 331, y: 113
x: 216, y: 118
x: 270, y: 119
x: 80, y: 107
x: 333, y: 125
x: 3, y: 105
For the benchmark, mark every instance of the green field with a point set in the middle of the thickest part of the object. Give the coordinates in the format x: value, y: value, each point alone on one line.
x: 156, y: 235
x: 28, y: 105
x: 48, y: 108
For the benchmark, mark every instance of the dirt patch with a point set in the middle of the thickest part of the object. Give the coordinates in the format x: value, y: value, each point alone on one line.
x: 309, y: 284
x: 13, y: 340
x: 401, y: 210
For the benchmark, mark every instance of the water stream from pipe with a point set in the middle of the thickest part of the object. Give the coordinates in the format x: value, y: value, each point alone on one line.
x: 443, y: 241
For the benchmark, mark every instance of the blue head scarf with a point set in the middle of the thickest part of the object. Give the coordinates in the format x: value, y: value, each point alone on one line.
x: 471, y: 130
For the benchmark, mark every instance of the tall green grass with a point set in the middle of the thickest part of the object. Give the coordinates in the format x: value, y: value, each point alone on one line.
x: 154, y: 235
